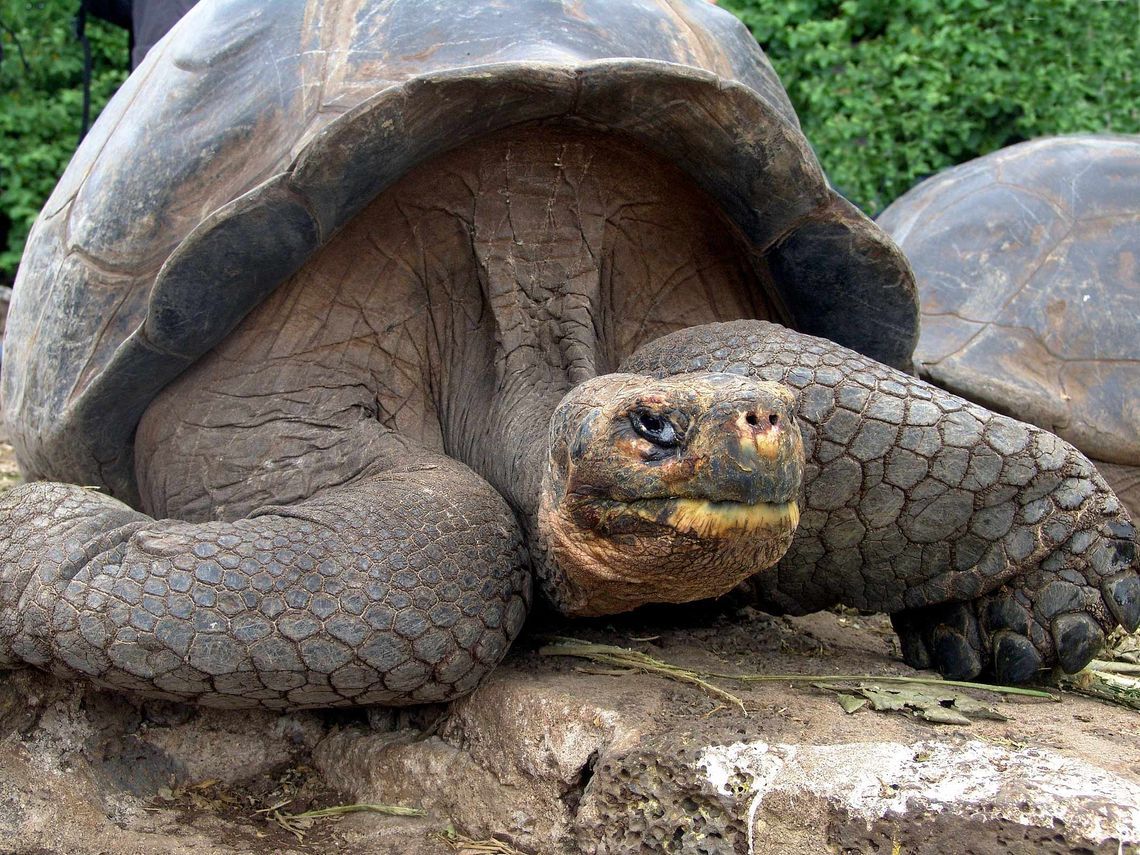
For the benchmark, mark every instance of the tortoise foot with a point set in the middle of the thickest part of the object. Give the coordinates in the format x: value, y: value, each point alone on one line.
x: 1035, y: 621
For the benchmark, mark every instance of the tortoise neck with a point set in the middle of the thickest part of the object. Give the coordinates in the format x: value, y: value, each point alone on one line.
x: 538, y: 245
x: 581, y: 248
x: 467, y: 299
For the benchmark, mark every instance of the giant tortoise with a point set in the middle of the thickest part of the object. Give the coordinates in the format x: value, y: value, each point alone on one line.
x: 1028, y: 268
x: 357, y: 314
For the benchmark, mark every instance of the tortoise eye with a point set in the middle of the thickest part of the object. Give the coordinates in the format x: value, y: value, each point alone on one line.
x: 654, y: 427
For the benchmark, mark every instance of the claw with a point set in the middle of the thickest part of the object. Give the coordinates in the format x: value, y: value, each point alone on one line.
x: 1016, y: 660
x: 957, y: 659
x: 1122, y: 593
x: 1077, y: 638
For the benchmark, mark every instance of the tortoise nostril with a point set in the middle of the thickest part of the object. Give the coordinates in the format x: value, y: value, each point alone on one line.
x: 756, y: 420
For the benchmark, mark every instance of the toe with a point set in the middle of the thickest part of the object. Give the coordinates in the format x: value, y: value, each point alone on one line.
x: 944, y: 637
x: 1122, y: 594
x: 954, y: 655
x: 915, y: 651
x: 1015, y: 659
x: 956, y: 642
x: 1077, y: 638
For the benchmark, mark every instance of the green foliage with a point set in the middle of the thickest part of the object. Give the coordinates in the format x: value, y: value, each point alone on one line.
x: 41, y: 90
x: 890, y: 91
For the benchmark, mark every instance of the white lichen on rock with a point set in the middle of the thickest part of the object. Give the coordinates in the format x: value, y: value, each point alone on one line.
x: 975, y: 780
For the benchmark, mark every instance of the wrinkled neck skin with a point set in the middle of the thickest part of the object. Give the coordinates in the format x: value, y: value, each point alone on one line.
x: 583, y: 249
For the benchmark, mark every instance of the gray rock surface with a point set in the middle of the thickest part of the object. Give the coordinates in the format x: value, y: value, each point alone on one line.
x: 554, y: 757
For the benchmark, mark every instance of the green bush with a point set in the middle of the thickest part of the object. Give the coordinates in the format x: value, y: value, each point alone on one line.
x: 41, y: 90
x: 890, y: 91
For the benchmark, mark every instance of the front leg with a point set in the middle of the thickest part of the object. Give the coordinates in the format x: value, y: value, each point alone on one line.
x: 996, y: 546
x: 405, y: 586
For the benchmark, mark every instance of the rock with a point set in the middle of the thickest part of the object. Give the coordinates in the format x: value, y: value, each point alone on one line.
x: 551, y: 756
x: 555, y: 759
x: 516, y: 756
x: 81, y: 771
x: 925, y: 797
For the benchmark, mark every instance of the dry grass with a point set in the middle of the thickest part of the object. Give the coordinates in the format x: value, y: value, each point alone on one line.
x: 298, y: 824
x: 621, y: 660
x: 467, y: 846
x: 1115, y: 677
x: 267, y: 800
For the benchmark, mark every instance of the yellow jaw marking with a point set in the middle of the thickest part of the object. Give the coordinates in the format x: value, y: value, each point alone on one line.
x: 709, y: 519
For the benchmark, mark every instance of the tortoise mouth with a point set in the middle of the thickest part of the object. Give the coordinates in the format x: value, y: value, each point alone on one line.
x: 706, y: 519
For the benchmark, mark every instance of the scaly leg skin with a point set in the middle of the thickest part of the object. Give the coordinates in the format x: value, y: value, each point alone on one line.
x: 403, y: 587
x: 995, y: 546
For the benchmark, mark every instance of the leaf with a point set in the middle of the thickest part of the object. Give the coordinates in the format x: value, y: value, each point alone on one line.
x: 933, y: 704
x: 890, y: 92
x: 850, y: 703
x: 943, y: 715
x: 977, y: 709
x: 889, y: 700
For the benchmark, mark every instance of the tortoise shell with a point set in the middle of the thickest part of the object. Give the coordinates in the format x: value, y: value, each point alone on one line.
x: 1028, y: 265
x: 254, y: 131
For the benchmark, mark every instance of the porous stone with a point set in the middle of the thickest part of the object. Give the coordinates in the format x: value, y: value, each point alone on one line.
x: 922, y: 797
x: 555, y: 760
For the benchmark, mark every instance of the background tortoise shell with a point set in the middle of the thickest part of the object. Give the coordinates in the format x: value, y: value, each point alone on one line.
x: 1028, y: 265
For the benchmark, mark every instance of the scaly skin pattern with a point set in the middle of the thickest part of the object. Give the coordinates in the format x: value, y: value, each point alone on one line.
x: 402, y: 587
x: 996, y: 546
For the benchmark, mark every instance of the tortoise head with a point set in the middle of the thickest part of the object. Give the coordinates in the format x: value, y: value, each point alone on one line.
x: 666, y: 490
